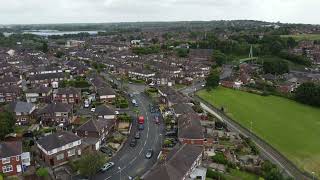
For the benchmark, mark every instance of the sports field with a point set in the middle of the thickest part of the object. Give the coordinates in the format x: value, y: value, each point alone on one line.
x: 301, y: 37
x: 290, y: 127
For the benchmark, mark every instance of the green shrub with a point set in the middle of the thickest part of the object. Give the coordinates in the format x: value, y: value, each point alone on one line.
x: 215, y: 175
x: 219, y: 158
x: 42, y: 172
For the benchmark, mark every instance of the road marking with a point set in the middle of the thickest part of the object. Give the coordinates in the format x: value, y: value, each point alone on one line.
x: 132, y: 160
x: 108, y: 177
x: 140, y: 151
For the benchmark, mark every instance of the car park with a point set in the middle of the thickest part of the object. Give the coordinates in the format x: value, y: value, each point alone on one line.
x: 133, y: 143
x: 149, y: 153
x: 107, y: 166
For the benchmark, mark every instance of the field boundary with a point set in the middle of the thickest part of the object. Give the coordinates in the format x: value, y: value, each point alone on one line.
x: 262, y: 144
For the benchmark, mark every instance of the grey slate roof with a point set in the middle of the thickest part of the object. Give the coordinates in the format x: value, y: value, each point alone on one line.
x: 178, y: 163
x: 182, y: 108
x: 189, y: 126
x: 20, y: 106
x: 93, y: 125
x: 103, y: 110
x: 8, y: 149
x: 57, y: 140
x: 56, y: 107
x: 105, y: 91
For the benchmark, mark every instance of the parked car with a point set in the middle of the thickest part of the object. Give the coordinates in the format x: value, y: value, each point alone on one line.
x: 137, y: 135
x: 171, y: 133
x: 106, y: 150
x: 93, y: 109
x: 107, y: 166
x: 149, y: 153
x: 156, y: 119
x: 133, y: 143
x: 141, y: 127
x: 117, y: 112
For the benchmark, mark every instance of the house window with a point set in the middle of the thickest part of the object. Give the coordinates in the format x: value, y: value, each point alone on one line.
x: 71, y: 152
x: 17, y: 158
x: 7, y: 169
x: 60, y: 157
x: 5, y: 160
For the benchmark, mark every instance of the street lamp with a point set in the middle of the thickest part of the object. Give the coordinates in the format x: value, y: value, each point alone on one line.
x: 120, y: 171
x: 312, y: 175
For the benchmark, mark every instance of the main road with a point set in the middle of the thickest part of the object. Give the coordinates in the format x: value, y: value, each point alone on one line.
x: 131, y: 161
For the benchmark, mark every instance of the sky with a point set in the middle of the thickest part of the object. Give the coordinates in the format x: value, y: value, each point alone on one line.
x: 103, y: 11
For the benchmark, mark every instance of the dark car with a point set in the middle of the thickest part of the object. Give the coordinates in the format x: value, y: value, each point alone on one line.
x: 133, y: 143
x: 141, y: 127
x: 149, y: 153
x: 106, y: 150
x: 137, y: 135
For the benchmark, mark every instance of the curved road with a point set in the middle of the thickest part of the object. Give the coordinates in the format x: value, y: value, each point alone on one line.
x: 131, y: 161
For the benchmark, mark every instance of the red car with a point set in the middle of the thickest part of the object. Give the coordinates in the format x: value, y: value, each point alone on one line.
x: 141, y: 120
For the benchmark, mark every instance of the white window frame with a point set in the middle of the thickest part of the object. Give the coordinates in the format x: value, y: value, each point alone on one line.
x: 60, y: 156
x: 8, y: 168
x: 6, y: 160
x: 71, y: 152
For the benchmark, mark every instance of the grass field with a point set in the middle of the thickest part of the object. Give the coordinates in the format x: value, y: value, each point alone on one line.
x: 241, y: 175
x: 302, y: 37
x: 290, y: 127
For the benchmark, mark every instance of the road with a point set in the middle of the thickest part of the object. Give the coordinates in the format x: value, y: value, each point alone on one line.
x: 131, y: 161
x: 267, y: 151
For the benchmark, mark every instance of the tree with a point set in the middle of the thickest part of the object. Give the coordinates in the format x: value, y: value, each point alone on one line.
x: 275, y: 67
x: 213, y: 79
x: 42, y: 172
x: 6, y: 123
x: 90, y: 164
x: 219, y: 57
x: 308, y: 93
x: 44, y: 48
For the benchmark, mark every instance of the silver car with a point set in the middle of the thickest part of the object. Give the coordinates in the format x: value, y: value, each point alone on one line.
x: 107, y: 166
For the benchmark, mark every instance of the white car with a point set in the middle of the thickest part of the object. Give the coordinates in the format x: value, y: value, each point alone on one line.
x: 117, y: 112
x: 93, y: 109
x: 107, y: 166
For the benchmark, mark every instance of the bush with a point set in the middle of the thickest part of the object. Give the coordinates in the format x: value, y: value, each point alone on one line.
x: 215, y: 175
x: 219, y: 158
x: 42, y: 172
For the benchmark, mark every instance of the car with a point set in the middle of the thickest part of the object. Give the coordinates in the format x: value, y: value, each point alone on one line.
x: 131, y: 95
x: 93, y: 109
x: 203, y: 85
x: 137, y: 135
x: 133, y: 143
x: 141, y: 127
x: 106, y: 150
x: 117, y: 112
x: 171, y: 133
x: 107, y: 166
x: 156, y: 120
x: 149, y: 153
x: 130, y: 82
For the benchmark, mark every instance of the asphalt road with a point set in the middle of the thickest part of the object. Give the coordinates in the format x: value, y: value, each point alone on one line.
x: 131, y: 161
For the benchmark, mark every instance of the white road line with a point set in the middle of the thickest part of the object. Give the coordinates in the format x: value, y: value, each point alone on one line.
x: 108, y: 177
x: 140, y: 151
x: 132, y: 160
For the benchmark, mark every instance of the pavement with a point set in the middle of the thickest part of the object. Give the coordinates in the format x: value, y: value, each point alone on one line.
x: 131, y: 161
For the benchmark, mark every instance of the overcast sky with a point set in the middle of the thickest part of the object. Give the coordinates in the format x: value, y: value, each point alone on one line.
x: 96, y: 11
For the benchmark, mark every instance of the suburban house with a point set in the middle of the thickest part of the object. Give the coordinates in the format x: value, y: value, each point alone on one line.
x: 105, y: 112
x: 94, y: 132
x: 181, y: 108
x: 58, y: 148
x: 170, y: 97
x: 23, y: 111
x: 69, y: 95
x: 46, y: 79
x: 13, y: 159
x: 106, y: 94
x: 10, y: 81
x: 9, y: 93
x: 39, y: 94
x: 179, y: 163
x: 190, y: 129
x: 55, y: 114
x: 141, y: 73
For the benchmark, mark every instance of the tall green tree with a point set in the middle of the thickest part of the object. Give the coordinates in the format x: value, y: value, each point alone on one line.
x: 6, y: 124
x: 90, y: 164
x: 219, y: 57
x: 308, y: 93
x: 212, y: 81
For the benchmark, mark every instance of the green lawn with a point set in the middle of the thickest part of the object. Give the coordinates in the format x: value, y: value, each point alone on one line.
x: 292, y: 128
x: 240, y: 175
x: 302, y: 37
